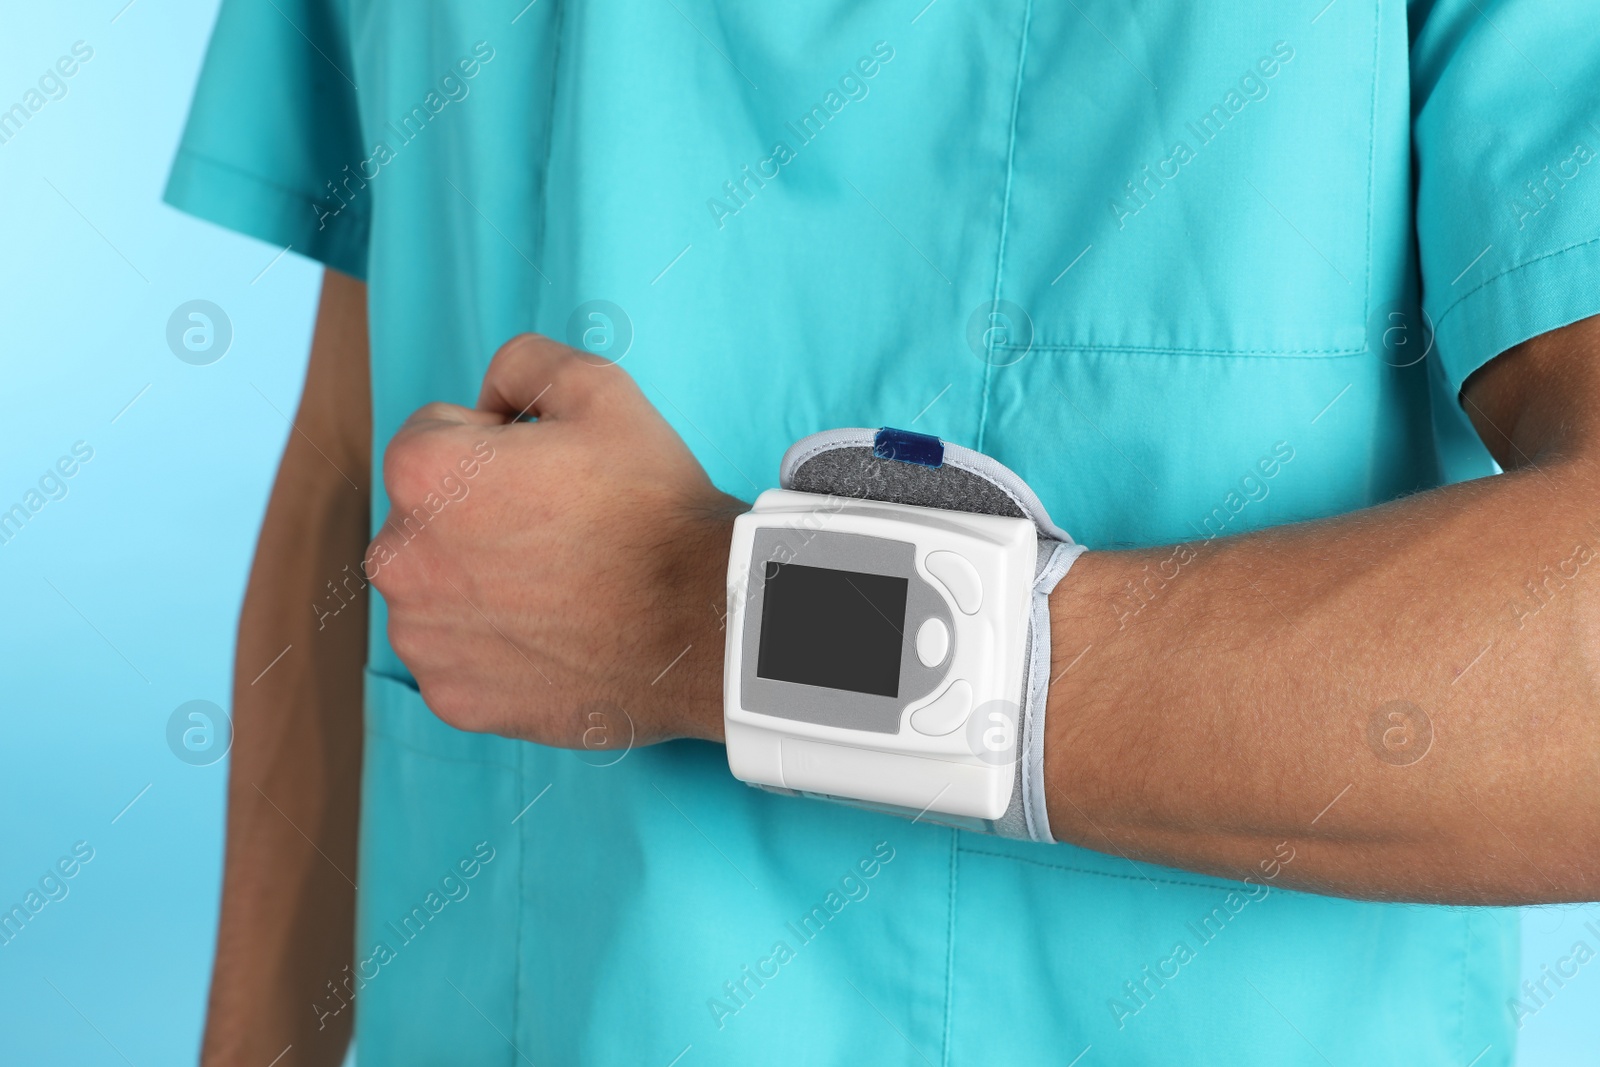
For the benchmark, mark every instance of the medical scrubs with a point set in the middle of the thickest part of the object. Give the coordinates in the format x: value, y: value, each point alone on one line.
x: 1190, y: 269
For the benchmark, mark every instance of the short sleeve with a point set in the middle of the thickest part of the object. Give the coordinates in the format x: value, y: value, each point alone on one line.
x: 1507, y: 146
x: 272, y: 129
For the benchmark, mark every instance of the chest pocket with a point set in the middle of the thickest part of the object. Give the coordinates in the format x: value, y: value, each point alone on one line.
x: 1190, y: 180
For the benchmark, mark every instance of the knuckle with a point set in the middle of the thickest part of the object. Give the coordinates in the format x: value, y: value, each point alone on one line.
x: 522, y: 346
x: 451, y: 703
x: 512, y: 355
x: 434, y: 411
x: 396, y: 581
x: 405, y: 577
x: 406, y: 642
x: 410, y: 464
x: 374, y: 565
x: 531, y: 356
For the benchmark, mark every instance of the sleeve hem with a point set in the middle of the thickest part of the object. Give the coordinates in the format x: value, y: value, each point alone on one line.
x: 260, y: 208
x: 1532, y: 298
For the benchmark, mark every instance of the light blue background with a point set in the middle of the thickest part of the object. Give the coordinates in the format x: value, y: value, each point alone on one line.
x: 149, y: 550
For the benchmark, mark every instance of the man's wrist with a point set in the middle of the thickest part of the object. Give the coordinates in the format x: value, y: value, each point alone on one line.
x: 696, y: 695
x: 1093, y: 615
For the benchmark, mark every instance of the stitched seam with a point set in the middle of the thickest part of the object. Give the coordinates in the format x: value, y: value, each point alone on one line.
x: 1506, y: 273
x: 1158, y: 350
x: 299, y: 196
x: 1101, y: 874
x: 1005, y: 214
x: 1461, y: 1010
x: 1372, y: 154
x: 522, y: 896
x: 557, y: 26
x: 950, y: 947
x: 401, y: 742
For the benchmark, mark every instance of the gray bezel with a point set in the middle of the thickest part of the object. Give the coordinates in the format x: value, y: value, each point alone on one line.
x: 840, y: 707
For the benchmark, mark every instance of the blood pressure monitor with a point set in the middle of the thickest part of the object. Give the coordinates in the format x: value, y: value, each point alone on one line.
x: 880, y: 650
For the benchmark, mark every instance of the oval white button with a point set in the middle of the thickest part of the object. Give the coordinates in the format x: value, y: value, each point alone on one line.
x: 960, y: 577
x: 947, y: 712
x: 933, y: 642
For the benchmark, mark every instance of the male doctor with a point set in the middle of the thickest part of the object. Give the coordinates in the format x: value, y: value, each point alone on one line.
x: 1255, y: 295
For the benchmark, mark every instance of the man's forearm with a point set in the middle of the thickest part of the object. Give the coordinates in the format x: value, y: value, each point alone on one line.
x: 287, y: 924
x: 1407, y: 695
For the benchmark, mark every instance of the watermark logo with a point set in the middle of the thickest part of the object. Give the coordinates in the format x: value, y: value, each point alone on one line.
x: 1401, y: 333
x: 607, y: 733
x: 52, y: 85
x: 992, y: 732
x: 452, y: 87
x: 199, y: 332
x: 602, y: 329
x: 52, y: 887
x: 1139, y: 992
x: 51, y: 486
x: 1000, y: 333
x: 852, y: 888
x: 741, y: 191
x: 452, y: 887
x: 1399, y: 733
x: 1253, y: 85
x: 199, y: 733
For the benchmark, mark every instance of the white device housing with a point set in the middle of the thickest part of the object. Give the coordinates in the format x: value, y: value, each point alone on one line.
x: 769, y: 744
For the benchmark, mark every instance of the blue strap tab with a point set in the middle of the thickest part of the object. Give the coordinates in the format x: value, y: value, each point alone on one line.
x: 908, y: 447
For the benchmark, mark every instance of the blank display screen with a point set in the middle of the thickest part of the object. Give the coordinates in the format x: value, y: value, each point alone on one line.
x: 832, y: 628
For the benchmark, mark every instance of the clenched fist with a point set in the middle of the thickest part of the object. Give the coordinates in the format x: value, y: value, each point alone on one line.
x: 538, y: 571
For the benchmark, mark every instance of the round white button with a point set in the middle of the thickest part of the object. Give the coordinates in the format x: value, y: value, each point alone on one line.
x: 933, y: 642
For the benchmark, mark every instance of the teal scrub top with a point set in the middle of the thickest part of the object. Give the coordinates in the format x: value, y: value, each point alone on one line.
x: 1189, y: 269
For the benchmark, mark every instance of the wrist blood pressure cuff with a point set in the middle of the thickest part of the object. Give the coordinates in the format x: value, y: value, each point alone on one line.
x: 900, y: 467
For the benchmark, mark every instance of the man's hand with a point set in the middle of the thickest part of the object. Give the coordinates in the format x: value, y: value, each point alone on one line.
x: 561, y: 581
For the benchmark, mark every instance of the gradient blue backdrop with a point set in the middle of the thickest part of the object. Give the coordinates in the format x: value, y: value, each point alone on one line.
x: 120, y: 598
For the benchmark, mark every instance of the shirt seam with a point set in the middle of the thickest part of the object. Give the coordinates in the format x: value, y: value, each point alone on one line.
x: 294, y: 218
x: 390, y: 737
x: 950, y: 947
x: 557, y: 20
x: 259, y: 179
x: 522, y: 895
x: 1475, y: 290
x: 1100, y: 874
x: 1461, y: 1008
x: 1372, y: 154
x: 1159, y: 350
x: 1005, y: 216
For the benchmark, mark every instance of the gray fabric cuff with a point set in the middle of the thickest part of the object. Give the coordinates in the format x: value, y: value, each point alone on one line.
x: 905, y: 468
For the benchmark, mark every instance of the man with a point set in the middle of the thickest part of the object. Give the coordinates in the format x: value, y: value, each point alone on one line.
x: 1162, y: 261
